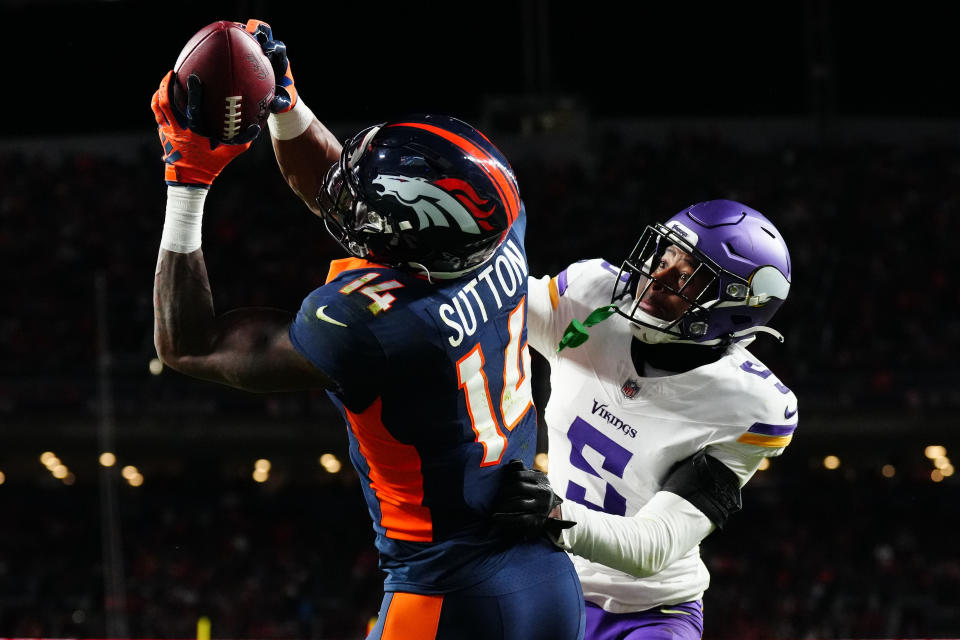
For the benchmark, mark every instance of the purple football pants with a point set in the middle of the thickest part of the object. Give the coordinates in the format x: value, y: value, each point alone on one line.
x: 669, y: 622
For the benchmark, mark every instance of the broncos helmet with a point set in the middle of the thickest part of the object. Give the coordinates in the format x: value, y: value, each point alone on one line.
x: 744, y: 268
x: 427, y: 192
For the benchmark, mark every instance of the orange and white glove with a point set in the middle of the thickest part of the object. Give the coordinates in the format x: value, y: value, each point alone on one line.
x: 189, y: 158
x: 191, y: 163
x: 289, y: 116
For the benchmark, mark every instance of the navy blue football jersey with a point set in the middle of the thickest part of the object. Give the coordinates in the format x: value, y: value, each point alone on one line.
x: 433, y: 381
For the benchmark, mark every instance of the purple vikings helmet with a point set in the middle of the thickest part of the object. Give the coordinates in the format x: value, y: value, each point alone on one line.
x: 742, y: 275
x: 428, y: 193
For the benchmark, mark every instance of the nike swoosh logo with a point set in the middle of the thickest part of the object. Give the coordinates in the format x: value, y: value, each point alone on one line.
x: 786, y: 412
x: 326, y: 318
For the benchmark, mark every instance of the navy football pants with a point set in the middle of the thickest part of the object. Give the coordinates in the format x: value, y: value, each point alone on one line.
x: 534, y: 599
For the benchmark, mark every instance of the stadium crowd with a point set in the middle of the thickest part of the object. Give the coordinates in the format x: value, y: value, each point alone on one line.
x: 868, y: 323
x: 869, y: 229
x: 295, y: 560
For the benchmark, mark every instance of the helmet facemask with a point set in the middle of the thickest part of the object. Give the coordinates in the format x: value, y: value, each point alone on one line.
x: 666, y: 306
x: 344, y: 211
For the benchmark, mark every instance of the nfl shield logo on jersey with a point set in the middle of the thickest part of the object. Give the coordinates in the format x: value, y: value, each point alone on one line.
x: 630, y: 388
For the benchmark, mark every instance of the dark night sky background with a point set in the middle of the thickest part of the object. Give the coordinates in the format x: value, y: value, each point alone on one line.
x: 90, y: 67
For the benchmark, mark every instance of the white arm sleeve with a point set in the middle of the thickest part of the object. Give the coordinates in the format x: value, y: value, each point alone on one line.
x: 541, y: 316
x: 573, y: 293
x: 663, y: 530
x: 742, y: 459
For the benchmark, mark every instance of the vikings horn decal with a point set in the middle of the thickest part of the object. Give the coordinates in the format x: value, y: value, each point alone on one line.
x: 433, y: 205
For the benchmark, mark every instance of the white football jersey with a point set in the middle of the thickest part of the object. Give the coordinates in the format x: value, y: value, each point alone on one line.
x: 614, y: 432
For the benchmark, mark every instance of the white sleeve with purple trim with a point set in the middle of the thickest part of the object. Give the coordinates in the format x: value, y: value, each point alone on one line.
x: 550, y: 309
x: 614, y: 435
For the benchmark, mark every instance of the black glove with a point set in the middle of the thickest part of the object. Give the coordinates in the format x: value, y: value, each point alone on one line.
x: 276, y: 52
x: 524, y: 502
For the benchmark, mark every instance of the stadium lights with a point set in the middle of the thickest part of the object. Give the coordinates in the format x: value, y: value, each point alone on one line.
x: 942, y: 467
x: 261, y: 470
x: 831, y: 462
x: 53, y: 464
x: 330, y: 462
x: 156, y: 366
x: 56, y: 468
x: 132, y: 475
x: 107, y: 459
x: 888, y: 471
x: 764, y: 464
x: 935, y: 451
x: 3, y: 478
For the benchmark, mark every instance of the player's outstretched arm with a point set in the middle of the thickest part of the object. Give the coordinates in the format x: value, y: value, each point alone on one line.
x: 663, y: 530
x: 247, y: 348
x: 699, y: 494
x: 304, y: 160
x: 304, y: 147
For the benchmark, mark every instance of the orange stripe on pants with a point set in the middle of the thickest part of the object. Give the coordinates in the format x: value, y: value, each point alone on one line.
x: 412, y: 616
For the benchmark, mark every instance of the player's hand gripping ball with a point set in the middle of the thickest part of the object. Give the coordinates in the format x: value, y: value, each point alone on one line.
x: 276, y: 52
x: 224, y: 83
x: 189, y: 158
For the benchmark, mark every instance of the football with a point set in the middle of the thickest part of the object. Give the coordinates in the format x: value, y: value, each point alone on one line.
x: 236, y: 78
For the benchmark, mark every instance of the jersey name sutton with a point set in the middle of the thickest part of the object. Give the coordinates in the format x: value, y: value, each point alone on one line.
x: 614, y: 434
x: 433, y: 382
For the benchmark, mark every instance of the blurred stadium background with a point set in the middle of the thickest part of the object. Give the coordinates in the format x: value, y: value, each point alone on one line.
x: 838, y: 120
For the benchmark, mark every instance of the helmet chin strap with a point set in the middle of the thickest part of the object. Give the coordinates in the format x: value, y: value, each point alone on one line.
x: 422, y: 268
x: 651, y: 331
x: 576, y: 332
x: 654, y: 334
x: 758, y: 329
x: 743, y: 338
x: 442, y: 275
x: 649, y: 335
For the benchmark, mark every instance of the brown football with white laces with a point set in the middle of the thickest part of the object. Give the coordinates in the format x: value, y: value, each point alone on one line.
x: 236, y: 78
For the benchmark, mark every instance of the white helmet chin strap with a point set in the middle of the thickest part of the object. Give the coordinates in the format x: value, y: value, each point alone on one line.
x: 653, y: 334
x: 746, y: 336
x: 758, y: 329
x: 657, y: 333
x: 650, y: 335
